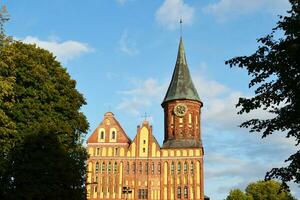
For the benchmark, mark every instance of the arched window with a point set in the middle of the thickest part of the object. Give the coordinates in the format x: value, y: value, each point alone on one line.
x: 97, y: 167
x: 115, y: 167
x: 178, y: 167
x: 103, y: 167
x: 172, y: 168
x: 146, y: 167
x: 127, y: 168
x: 185, y: 167
x: 102, y: 135
x: 158, y: 168
x: 140, y: 167
x: 152, y: 168
x: 179, y: 192
x: 192, y: 168
x: 185, y: 192
x: 113, y: 135
x: 133, y: 168
x: 109, y: 167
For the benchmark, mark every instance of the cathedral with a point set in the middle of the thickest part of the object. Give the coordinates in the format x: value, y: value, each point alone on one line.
x: 122, y: 168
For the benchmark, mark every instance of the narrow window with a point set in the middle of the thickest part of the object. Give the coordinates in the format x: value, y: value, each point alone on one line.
x: 97, y: 167
x: 172, y: 168
x: 144, y: 150
x: 133, y: 168
x: 127, y: 168
x: 95, y: 189
x: 102, y: 135
x: 103, y: 167
x: 152, y: 168
x: 113, y: 135
x: 185, y: 192
x: 140, y: 167
x: 146, y: 168
x: 192, y: 168
x: 178, y: 168
x: 116, y: 151
x: 179, y: 192
x: 115, y: 167
x: 190, y: 118
x: 185, y: 167
x: 98, y: 152
x: 109, y: 167
x: 144, y: 141
x: 158, y: 168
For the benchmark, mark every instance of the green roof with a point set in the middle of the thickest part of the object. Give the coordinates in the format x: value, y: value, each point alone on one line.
x: 181, y: 86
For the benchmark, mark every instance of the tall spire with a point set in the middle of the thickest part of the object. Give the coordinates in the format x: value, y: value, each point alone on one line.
x: 181, y: 86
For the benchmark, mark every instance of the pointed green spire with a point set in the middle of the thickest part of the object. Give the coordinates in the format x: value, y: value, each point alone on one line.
x: 181, y: 86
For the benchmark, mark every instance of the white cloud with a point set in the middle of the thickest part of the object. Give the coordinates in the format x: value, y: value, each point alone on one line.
x: 121, y: 2
x: 127, y: 45
x: 64, y: 51
x: 145, y: 93
x: 224, y: 9
x: 171, y: 11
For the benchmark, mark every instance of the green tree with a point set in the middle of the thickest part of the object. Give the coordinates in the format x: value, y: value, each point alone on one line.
x: 275, y: 72
x: 267, y: 190
x: 261, y: 190
x: 237, y: 194
x: 40, y: 119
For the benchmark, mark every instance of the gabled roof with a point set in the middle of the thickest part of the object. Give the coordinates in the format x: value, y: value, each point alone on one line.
x: 181, y: 86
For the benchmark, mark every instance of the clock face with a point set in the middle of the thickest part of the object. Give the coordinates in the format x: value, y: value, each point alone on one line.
x: 180, y: 109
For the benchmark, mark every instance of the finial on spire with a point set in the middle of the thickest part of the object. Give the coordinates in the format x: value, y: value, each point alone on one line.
x: 180, y: 27
x: 145, y: 116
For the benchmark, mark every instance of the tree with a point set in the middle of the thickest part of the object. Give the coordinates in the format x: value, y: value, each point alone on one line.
x: 237, y: 194
x: 261, y: 190
x: 275, y: 72
x: 40, y: 118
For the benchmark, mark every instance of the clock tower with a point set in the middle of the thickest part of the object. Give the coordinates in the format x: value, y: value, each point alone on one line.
x: 182, y: 108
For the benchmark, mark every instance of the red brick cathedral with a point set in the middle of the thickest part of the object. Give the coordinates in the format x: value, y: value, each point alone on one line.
x: 121, y: 168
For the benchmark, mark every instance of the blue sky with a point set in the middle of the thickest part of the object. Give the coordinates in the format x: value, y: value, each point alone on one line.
x: 122, y: 54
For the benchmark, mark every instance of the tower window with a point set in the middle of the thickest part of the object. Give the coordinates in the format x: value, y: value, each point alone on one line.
x: 98, y: 152
x: 144, y: 141
x: 97, y: 167
x: 102, y: 135
x: 146, y: 168
x: 178, y: 167
x: 103, y: 167
x: 179, y: 192
x: 127, y: 168
x: 109, y: 167
x: 116, y: 151
x: 140, y: 167
x: 133, y: 168
x: 115, y: 167
x: 144, y: 150
x: 185, y: 192
x: 192, y: 168
x: 158, y: 168
x: 152, y: 168
x: 185, y: 167
x: 172, y: 168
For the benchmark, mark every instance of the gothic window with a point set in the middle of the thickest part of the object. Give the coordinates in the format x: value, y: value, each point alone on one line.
x: 109, y: 167
x: 185, y: 192
x: 102, y: 135
x: 113, y: 135
x: 185, y: 167
x: 192, y: 168
x: 97, y: 167
x: 133, y: 168
x: 146, y: 168
x: 179, y: 192
x: 178, y: 167
x: 158, y: 168
x: 172, y: 168
x: 140, y: 167
x: 98, y: 151
x: 115, y: 167
x: 103, y: 167
x: 116, y: 151
x: 152, y: 168
x: 127, y: 168
x: 144, y: 150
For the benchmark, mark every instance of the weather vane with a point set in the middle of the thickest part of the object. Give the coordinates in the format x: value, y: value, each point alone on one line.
x: 145, y: 116
x: 180, y: 26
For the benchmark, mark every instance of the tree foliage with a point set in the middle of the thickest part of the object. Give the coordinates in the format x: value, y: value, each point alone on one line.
x: 41, y: 126
x: 275, y: 72
x: 261, y: 190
